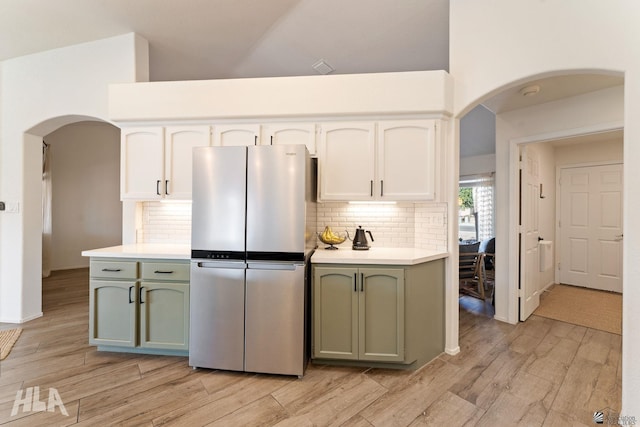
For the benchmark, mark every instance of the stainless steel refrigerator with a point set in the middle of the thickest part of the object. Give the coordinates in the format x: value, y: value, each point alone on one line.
x: 253, y: 231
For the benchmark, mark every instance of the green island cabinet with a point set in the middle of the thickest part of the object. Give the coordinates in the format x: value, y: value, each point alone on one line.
x: 380, y: 316
x: 139, y: 306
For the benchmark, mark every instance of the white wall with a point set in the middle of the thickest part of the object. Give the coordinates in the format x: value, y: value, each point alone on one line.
x: 40, y: 93
x: 414, y: 92
x: 503, y: 50
x: 86, y: 207
x: 589, y: 152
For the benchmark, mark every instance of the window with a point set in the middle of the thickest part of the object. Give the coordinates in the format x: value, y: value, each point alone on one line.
x: 476, y: 208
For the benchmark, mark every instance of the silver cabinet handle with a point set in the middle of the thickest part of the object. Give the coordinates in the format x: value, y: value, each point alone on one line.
x: 111, y: 270
x: 166, y: 187
x: 163, y: 272
x: 158, y: 187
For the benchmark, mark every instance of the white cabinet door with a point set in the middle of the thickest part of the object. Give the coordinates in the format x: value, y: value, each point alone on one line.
x: 142, y: 163
x: 406, y: 160
x: 290, y: 133
x: 179, y: 144
x: 347, y: 161
x: 236, y: 135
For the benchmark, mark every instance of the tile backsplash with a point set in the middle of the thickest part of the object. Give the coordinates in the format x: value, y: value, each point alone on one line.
x: 421, y: 225
x: 162, y: 222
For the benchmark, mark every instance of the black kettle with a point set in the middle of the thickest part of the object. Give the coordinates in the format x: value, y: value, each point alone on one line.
x: 360, y: 242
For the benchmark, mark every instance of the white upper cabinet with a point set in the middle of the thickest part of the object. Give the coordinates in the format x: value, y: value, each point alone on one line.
x: 142, y: 163
x: 406, y: 160
x: 290, y: 133
x: 396, y: 162
x: 236, y: 135
x: 179, y: 144
x: 346, y: 161
x: 156, y: 162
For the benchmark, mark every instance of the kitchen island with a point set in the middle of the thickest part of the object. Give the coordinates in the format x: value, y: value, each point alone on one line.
x: 139, y: 298
x: 383, y: 307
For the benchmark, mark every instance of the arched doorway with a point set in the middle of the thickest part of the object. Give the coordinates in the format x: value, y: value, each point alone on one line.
x: 83, y: 168
x: 589, y: 104
x: 32, y: 204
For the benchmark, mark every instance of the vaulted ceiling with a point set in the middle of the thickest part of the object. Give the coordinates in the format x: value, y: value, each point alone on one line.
x: 208, y: 39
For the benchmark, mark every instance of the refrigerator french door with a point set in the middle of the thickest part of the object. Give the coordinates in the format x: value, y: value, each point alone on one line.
x: 249, y: 251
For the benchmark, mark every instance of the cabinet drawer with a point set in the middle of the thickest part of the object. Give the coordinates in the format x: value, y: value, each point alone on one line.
x: 114, y: 269
x: 165, y: 271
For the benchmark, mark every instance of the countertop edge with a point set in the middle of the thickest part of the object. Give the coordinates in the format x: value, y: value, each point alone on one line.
x: 142, y: 251
x: 382, y: 260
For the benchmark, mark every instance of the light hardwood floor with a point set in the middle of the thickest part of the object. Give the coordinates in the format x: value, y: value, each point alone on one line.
x: 541, y: 372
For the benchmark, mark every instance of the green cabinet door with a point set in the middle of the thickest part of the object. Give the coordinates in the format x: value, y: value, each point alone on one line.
x: 381, y: 314
x: 335, y: 313
x: 164, y: 315
x: 358, y: 313
x: 112, y: 313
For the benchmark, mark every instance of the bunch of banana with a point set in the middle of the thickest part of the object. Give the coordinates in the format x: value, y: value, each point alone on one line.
x: 330, y: 238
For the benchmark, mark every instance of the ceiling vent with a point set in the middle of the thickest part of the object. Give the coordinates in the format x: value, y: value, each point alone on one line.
x: 322, y: 67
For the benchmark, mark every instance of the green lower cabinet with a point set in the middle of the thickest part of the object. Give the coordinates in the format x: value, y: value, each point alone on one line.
x: 164, y: 315
x: 139, y: 306
x: 358, y: 314
x: 382, y: 316
x: 112, y: 313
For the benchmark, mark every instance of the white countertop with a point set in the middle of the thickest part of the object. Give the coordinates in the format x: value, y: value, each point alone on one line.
x: 388, y: 256
x: 143, y: 250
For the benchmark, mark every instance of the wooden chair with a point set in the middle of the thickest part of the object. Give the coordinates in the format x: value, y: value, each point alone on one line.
x: 488, y: 248
x: 471, y: 272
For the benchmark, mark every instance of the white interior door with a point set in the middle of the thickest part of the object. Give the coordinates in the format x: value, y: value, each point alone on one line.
x: 591, y: 226
x: 529, y: 233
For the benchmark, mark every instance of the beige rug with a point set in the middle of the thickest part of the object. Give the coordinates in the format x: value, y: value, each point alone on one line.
x: 8, y: 338
x: 581, y: 306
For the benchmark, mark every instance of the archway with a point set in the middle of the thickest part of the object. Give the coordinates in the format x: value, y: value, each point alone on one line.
x: 32, y: 206
x: 564, y: 119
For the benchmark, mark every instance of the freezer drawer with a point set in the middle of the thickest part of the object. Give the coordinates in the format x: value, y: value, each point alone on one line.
x: 217, y: 315
x: 275, y: 319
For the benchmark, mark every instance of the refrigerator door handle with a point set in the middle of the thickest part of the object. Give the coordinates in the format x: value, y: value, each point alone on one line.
x: 204, y: 264
x: 272, y: 266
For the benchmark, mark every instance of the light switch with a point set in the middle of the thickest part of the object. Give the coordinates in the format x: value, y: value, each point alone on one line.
x: 12, y: 207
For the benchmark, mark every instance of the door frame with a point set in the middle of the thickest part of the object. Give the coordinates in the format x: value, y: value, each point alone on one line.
x: 513, y: 257
x: 558, y: 243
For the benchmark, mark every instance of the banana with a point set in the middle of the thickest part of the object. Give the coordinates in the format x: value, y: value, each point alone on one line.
x: 329, y: 237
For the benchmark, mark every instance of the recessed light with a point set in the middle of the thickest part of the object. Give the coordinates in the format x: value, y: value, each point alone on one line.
x: 530, y: 90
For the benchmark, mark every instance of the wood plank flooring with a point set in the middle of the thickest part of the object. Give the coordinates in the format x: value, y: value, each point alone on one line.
x: 538, y: 373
